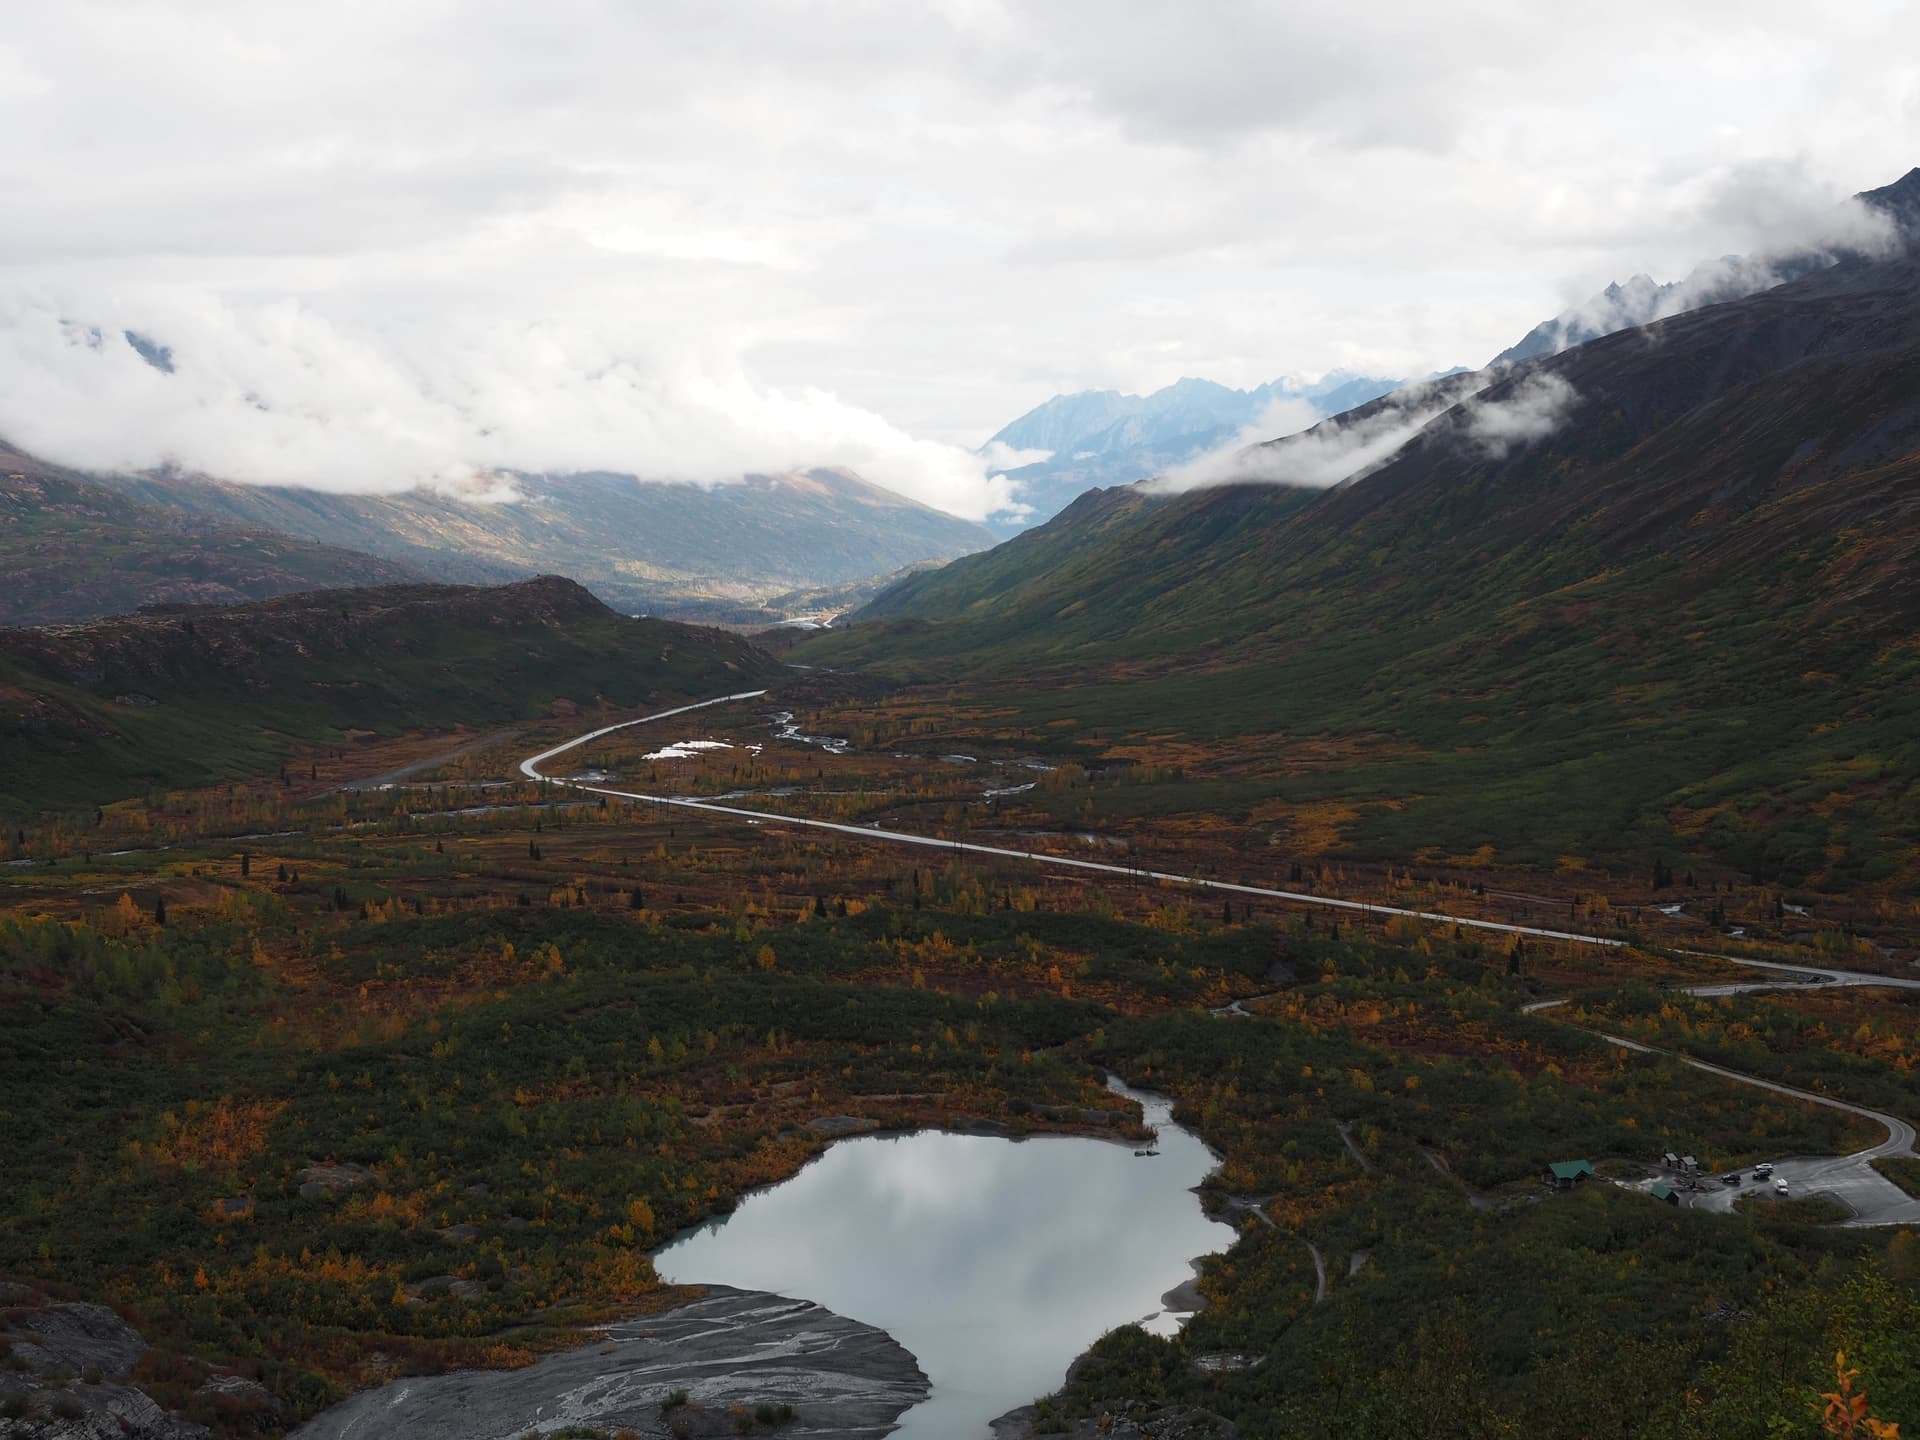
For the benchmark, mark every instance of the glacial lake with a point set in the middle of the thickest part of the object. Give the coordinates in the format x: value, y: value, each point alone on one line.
x: 996, y: 1262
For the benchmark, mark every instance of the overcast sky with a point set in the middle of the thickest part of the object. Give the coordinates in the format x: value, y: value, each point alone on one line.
x: 412, y: 241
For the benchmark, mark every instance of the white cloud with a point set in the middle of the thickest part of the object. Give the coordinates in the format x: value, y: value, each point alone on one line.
x: 280, y: 394
x: 1002, y: 456
x: 1532, y: 409
x: 686, y: 239
x: 1352, y: 446
x: 1318, y: 458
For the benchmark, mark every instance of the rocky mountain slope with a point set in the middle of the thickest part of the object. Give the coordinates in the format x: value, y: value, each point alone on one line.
x: 71, y: 551
x: 181, y: 696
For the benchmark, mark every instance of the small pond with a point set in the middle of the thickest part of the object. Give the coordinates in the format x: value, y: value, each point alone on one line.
x: 995, y: 1262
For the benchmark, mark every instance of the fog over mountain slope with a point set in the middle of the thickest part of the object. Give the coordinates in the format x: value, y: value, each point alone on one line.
x: 1672, y: 567
x: 1102, y: 437
x: 1866, y: 225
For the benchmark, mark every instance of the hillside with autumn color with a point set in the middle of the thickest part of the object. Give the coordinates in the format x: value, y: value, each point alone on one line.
x: 1652, y: 595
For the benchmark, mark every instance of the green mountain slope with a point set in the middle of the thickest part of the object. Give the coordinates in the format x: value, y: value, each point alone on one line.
x: 1682, y: 616
x: 72, y: 551
x: 178, y: 697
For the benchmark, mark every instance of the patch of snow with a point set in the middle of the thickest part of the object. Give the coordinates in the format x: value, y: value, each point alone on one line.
x: 686, y: 749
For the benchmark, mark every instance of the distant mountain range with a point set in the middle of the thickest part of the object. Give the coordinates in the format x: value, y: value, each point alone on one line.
x: 1102, y: 437
x: 643, y: 547
x: 738, y: 552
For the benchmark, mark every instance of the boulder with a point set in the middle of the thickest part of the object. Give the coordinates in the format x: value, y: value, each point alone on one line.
x: 836, y: 1125
x: 328, y: 1179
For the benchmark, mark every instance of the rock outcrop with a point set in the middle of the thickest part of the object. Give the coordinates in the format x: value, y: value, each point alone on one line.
x: 71, y: 1377
x: 728, y: 1352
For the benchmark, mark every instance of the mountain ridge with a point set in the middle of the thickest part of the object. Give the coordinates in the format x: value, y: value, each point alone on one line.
x: 643, y: 546
x: 1642, y: 300
x: 74, y: 551
x: 183, y: 695
x: 1692, y: 588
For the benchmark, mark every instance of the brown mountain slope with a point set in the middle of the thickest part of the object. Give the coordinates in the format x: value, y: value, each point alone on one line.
x: 72, y: 551
x: 180, y: 696
x: 642, y: 547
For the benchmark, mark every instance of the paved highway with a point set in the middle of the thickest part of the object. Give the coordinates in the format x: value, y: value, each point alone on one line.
x: 531, y: 768
x: 1874, y: 1199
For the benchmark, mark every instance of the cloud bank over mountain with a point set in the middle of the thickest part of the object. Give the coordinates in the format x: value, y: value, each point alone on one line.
x: 281, y: 394
x: 392, y: 245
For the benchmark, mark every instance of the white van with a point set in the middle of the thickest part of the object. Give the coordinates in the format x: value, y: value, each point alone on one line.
x: 1780, y: 1187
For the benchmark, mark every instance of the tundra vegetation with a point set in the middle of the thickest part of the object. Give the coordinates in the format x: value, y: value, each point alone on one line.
x: 415, y: 1078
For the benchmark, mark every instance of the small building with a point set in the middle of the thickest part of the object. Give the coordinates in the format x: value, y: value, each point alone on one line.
x: 1689, y: 1165
x: 1565, y: 1174
x: 1672, y: 1160
x: 1666, y: 1192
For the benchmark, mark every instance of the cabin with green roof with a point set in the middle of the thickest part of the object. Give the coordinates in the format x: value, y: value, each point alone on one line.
x: 1664, y: 1191
x: 1565, y: 1174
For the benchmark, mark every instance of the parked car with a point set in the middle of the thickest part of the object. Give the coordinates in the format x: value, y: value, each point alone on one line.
x: 1733, y: 1179
x: 1763, y: 1170
x: 1779, y: 1187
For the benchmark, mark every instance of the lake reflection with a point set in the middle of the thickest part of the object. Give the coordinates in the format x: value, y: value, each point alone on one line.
x: 994, y: 1262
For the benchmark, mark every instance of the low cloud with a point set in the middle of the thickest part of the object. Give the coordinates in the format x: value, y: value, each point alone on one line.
x: 1318, y: 458
x: 1777, y: 212
x: 1351, y: 446
x: 1536, y: 407
x: 282, y: 394
x: 1001, y: 456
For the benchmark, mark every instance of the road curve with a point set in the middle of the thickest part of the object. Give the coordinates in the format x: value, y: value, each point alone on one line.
x: 1874, y: 1199
x: 530, y: 767
x: 1900, y: 1135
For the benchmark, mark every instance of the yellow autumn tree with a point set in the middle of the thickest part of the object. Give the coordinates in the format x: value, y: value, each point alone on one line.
x: 640, y: 1215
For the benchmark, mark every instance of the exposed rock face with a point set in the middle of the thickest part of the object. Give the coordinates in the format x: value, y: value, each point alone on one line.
x: 77, y: 1359
x: 76, y: 1338
x: 242, y: 1403
x: 327, y: 1180
x: 844, y: 1380
x: 837, y: 1125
